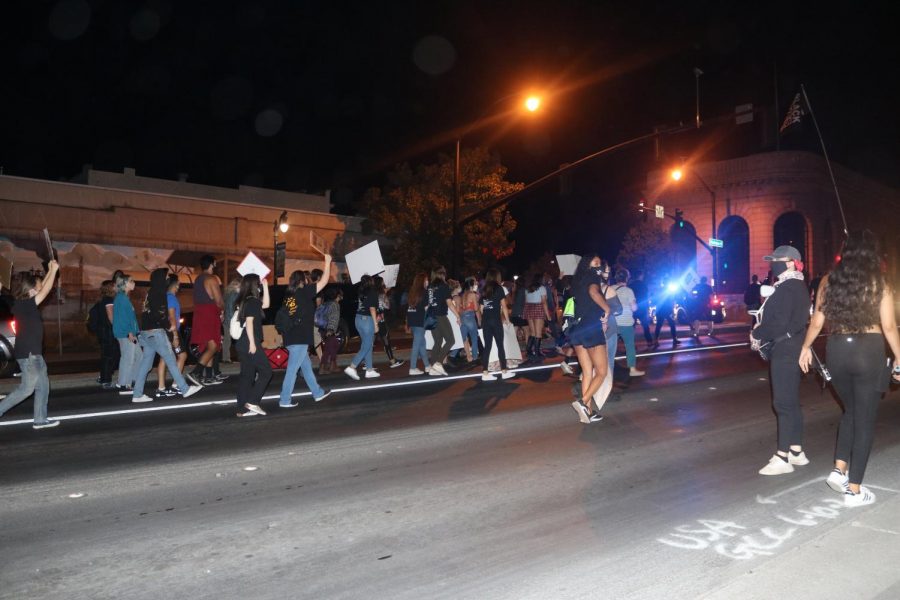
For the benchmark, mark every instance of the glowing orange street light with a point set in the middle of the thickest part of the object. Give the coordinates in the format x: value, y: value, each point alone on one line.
x: 677, y: 174
x: 532, y: 103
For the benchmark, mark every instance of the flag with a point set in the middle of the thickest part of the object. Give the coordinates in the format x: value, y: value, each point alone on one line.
x: 794, y: 114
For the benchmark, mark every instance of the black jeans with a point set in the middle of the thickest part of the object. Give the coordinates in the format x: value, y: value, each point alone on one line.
x: 641, y: 317
x: 659, y: 324
x: 492, y: 331
x: 109, y: 357
x: 443, y: 339
x: 856, y: 362
x: 255, y: 375
x: 784, y: 373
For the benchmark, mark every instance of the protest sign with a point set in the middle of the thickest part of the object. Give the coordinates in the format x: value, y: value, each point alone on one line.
x: 252, y: 264
x: 364, y: 261
x: 318, y: 243
x: 390, y: 275
x: 567, y: 263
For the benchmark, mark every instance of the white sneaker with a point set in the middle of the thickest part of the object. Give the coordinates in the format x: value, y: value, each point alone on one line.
x: 191, y: 391
x: 414, y: 372
x: 372, y: 374
x: 256, y: 408
x: 777, y: 466
x: 439, y: 368
x: 634, y: 372
x: 566, y: 368
x: 43, y: 424
x: 838, y: 481
x: 432, y: 371
x: 865, y: 496
x: 507, y: 375
x: 583, y: 414
x: 351, y: 373
x: 800, y: 460
x: 142, y: 398
x: 488, y: 377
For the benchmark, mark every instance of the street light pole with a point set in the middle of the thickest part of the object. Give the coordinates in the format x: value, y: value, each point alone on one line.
x: 455, y: 241
x: 715, y: 249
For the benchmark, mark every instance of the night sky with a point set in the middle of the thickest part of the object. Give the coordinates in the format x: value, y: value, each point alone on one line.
x: 313, y: 95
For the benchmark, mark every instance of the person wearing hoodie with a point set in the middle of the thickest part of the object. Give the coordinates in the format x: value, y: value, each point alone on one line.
x: 154, y: 340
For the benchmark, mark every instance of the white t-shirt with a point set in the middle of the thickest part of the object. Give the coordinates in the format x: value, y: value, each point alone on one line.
x: 626, y: 297
x: 536, y: 296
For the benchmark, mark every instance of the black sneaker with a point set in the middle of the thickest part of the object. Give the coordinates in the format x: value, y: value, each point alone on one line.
x: 160, y: 394
x: 210, y: 381
x: 192, y: 379
x: 397, y: 363
x: 171, y: 391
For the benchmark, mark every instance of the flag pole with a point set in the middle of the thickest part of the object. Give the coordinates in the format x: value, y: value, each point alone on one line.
x: 827, y: 161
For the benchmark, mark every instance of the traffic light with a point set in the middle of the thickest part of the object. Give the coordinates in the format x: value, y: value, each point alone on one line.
x: 679, y: 217
x: 642, y: 207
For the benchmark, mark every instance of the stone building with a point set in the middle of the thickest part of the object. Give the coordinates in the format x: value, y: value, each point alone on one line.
x: 765, y: 200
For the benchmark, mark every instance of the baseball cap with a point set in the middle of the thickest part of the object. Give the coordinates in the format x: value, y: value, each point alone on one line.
x: 782, y: 252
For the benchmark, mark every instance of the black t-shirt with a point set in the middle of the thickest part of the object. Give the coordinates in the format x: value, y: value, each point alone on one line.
x: 585, y: 308
x: 303, y: 307
x: 490, y: 307
x: 640, y: 293
x: 437, y: 299
x: 415, y: 315
x: 30, y: 328
x: 252, y: 308
x: 367, y: 300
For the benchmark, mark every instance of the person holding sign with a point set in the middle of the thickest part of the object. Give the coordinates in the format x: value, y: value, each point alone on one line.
x: 255, y: 368
x: 29, y: 352
x: 300, y: 302
x: 366, y: 316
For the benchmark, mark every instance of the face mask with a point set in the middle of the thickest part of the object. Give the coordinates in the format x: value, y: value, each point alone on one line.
x: 778, y: 268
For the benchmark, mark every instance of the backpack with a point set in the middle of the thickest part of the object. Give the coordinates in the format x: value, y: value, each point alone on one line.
x: 284, y: 320
x: 95, y: 317
x: 235, y: 327
x: 321, y: 317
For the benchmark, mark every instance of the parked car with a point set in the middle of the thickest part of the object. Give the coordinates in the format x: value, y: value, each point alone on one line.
x: 7, y: 337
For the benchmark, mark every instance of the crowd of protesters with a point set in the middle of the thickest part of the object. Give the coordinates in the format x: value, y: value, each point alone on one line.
x: 582, y: 315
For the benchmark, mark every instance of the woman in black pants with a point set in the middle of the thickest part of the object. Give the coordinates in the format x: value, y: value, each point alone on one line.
x: 255, y: 368
x: 784, y: 318
x: 859, y: 308
x: 493, y: 315
x: 440, y: 305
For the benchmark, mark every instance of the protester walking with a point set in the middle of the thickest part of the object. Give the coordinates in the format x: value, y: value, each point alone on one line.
x: 230, y: 297
x: 642, y: 312
x: 30, y: 292
x: 440, y: 306
x: 100, y: 324
x: 300, y: 304
x: 329, y: 329
x: 612, y: 328
x: 858, y: 304
x: 665, y: 312
x: 784, y: 317
x: 154, y: 340
x: 173, y: 309
x: 366, y: 316
x: 417, y: 305
x: 493, y: 315
x: 536, y: 313
x: 587, y: 335
x: 382, y: 330
x: 625, y: 321
x: 753, y: 298
x: 255, y: 368
x: 468, y: 326
x: 206, y: 329
x: 125, y: 328
x: 701, y: 297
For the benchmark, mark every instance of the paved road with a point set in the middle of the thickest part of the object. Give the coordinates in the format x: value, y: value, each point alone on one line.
x: 449, y: 489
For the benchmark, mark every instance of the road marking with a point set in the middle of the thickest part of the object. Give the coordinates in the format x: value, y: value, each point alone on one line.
x: 870, y: 528
x: 771, y: 499
x: 344, y: 390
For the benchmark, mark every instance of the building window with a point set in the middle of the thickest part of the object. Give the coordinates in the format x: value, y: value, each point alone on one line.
x: 734, y: 255
x: 790, y: 230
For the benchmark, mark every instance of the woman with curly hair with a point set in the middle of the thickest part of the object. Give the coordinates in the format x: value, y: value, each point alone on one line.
x: 587, y: 335
x: 858, y: 305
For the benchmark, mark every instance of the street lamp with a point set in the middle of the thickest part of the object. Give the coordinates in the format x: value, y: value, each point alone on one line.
x: 280, y: 225
x: 531, y: 104
x: 677, y: 175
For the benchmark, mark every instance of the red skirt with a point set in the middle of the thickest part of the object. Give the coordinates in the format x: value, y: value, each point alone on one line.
x: 534, y: 312
x: 207, y: 326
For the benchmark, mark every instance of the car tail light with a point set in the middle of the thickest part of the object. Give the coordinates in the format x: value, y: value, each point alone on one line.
x: 12, y: 325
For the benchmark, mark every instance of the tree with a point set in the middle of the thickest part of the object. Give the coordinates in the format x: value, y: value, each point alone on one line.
x: 414, y: 210
x: 647, y: 247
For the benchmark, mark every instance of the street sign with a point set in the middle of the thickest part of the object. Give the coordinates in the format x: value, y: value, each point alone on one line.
x: 660, y: 212
x: 714, y: 243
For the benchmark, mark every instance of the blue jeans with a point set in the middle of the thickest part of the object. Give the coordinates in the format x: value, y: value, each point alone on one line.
x: 34, y: 380
x: 366, y: 328
x: 153, y: 342
x: 298, y: 359
x: 418, y: 348
x: 468, y: 327
x: 612, y: 331
x: 129, y: 358
x: 626, y: 332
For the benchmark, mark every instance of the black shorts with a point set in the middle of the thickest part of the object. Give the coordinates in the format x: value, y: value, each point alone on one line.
x: 587, y: 334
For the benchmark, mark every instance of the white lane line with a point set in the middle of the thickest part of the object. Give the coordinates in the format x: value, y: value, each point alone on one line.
x: 870, y: 528
x: 359, y: 388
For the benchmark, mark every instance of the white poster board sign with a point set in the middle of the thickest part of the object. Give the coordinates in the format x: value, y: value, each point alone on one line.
x: 364, y: 261
x: 318, y: 243
x: 510, y: 345
x: 567, y: 263
x: 457, y: 335
x: 391, y: 272
x: 252, y: 265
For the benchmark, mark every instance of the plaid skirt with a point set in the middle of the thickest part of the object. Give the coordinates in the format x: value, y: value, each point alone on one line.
x: 533, y: 311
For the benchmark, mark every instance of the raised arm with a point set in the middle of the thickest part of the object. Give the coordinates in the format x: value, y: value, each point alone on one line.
x: 265, y: 298
x: 326, y: 274
x: 47, y: 283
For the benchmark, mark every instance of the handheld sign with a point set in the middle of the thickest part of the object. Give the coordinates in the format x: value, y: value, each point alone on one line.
x: 318, y: 243
x: 251, y: 264
x: 364, y: 261
x: 390, y: 275
x: 567, y: 263
x: 5, y: 273
x: 458, y: 341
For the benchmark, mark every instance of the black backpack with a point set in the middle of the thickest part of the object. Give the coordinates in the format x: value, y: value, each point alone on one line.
x: 96, y: 317
x: 284, y: 320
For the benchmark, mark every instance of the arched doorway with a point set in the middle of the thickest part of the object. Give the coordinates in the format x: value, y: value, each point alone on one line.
x: 790, y: 230
x: 684, y: 247
x: 734, y: 255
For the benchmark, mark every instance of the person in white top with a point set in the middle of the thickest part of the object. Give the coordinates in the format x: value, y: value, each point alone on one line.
x: 537, y: 313
x: 625, y: 321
